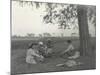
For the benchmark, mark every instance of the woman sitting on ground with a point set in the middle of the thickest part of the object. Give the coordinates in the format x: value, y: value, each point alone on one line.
x: 71, y: 52
x: 33, y: 54
x: 72, y: 55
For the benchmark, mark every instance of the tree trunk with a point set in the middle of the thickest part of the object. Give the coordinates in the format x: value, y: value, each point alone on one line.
x: 83, y: 30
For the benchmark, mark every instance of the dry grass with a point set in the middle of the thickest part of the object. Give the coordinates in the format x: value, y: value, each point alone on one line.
x: 19, y: 66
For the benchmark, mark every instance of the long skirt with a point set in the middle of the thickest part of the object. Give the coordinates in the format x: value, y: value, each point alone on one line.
x: 31, y: 60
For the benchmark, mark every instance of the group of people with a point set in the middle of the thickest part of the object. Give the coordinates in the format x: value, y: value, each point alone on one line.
x: 37, y: 52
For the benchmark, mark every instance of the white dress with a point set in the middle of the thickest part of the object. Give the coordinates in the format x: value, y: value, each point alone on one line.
x: 70, y: 48
x: 31, y: 54
x: 76, y: 54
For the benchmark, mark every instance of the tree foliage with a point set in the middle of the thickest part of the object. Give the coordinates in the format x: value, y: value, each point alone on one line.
x: 63, y: 15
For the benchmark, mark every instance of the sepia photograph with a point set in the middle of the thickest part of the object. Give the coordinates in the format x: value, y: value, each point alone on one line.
x: 52, y: 37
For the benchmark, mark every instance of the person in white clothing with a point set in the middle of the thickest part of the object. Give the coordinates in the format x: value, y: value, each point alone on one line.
x: 33, y: 54
x: 71, y: 52
x: 72, y: 55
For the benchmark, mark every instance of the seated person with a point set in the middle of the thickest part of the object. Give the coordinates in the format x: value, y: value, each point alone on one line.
x: 49, y: 47
x: 42, y: 48
x: 71, y: 52
x: 33, y: 54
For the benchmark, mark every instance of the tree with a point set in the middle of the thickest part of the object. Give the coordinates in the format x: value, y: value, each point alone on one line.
x: 73, y: 34
x: 30, y: 35
x: 47, y: 34
x: 83, y: 16
x: 14, y: 36
x: 62, y: 35
x: 83, y: 29
x: 67, y: 16
x: 40, y: 35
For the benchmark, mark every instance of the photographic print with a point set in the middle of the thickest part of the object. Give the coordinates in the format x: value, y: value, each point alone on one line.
x: 52, y: 37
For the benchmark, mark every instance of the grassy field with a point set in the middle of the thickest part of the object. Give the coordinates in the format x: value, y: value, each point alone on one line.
x: 18, y: 55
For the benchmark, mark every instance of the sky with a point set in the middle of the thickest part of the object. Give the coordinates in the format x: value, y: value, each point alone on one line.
x: 28, y: 19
